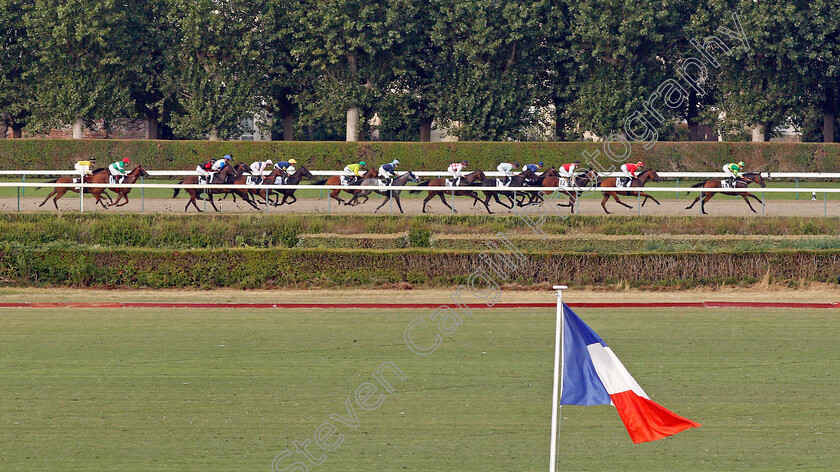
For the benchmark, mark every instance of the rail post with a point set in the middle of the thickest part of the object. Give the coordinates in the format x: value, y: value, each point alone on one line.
x: 142, y: 196
x: 391, y: 200
x: 796, y: 194
x: 328, y: 203
x: 18, y: 193
x: 453, y: 202
x: 639, y: 201
x: 23, y: 189
x: 825, y: 203
x: 81, y: 196
x: 514, y: 203
x: 762, y: 203
x: 678, y: 186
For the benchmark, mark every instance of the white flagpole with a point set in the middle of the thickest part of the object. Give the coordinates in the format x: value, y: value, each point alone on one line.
x: 558, y: 379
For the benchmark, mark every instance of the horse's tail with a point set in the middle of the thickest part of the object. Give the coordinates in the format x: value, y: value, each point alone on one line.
x: 177, y: 190
x: 320, y: 182
x: 48, y: 182
x: 700, y: 184
x: 421, y: 184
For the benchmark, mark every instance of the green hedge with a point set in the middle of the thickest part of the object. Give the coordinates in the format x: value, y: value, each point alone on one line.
x: 268, y: 268
x: 32, y: 154
x: 272, y: 231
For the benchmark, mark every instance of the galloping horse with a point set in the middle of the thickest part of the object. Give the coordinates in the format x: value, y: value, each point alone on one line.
x: 68, y: 179
x: 122, y: 192
x: 397, y: 182
x: 639, y: 181
x: 293, y: 179
x: 517, y: 180
x: 336, y: 180
x: 220, y: 177
x: 466, y: 181
x: 745, y: 180
x: 586, y: 179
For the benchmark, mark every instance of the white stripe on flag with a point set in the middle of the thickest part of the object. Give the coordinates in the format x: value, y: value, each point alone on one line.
x: 613, y: 375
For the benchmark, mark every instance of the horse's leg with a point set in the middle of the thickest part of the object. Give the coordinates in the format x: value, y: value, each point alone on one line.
x: 426, y: 200
x: 615, y: 196
x: 706, y: 198
x: 646, y: 199
x: 745, y: 195
x: 334, y: 195
x: 387, y: 197
x: 695, y: 201
x: 123, y: 196
x: 48, y: 197
x: 443, y: 199
x: 399, y: 205
x: 212, y: 203
x: 604, y: 202
x: 294, y: 198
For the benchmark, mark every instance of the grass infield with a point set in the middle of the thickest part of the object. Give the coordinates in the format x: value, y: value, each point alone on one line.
x: 231, y: 389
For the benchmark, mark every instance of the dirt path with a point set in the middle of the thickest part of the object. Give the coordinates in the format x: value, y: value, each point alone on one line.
x: 719, y: 206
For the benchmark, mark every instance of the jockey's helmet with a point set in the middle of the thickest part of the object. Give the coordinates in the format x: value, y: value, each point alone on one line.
x: 292, y: 161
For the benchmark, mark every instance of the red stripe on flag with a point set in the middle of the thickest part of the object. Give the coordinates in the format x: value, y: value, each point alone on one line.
x: 647, y: 420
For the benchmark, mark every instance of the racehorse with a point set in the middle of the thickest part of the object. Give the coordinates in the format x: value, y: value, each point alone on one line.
x: 517, y: 180
x: 745, y: 180
x: 122, y: 192
x: 220, y: 177
x: 466, y: 181
x: 639, y: 181
x: 336, y: 180
x: 293, y: 179
x: 386, y: 191
x: 68, y: 179
x: 586, y: 179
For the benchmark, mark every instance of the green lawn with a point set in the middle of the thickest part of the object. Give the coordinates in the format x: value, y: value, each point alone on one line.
x: 231, y: 389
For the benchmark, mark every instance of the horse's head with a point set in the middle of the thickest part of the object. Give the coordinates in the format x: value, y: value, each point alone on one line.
x: 650, y: 174
x: 587, y: 177
x: 371, y: 174
x: 475, y: 175
x: 754, y: 177
x: 411, y: 177
x: 303, y: 172
x: 240, y: 168
x: 552, y: 172
x: 230, y: 171
x: 139, y: 170
x: 528, y: 175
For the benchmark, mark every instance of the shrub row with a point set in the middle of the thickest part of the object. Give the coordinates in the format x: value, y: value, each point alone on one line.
x: 267, y: 268
x: 174, y: 155
x: 271, y: 231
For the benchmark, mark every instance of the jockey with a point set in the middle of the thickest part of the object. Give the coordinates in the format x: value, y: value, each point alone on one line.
x: 567, y: 171
x: 630, y: 169
x: 118, y: 168
x: 506, y: 168
x: 733, y: 171
x: 204, y: 169
x: 83, y: 167
x: 455, y: 169
x: 285, y: 165
x: 258, y: 169
x: 533, y: 167
x: 221, y: 163
x: 351, y: 171
x: 388, y: 171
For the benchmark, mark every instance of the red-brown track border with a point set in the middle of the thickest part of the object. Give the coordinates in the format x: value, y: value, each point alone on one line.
x: 702, y: 304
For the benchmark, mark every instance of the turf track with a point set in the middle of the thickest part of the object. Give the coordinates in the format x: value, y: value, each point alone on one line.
x: 220, y: 389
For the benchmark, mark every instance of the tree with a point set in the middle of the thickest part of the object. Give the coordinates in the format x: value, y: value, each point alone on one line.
x: 626, y: 51
x: 490, y: 50
x: 556, y: 69
x: 347, y: 46
x: 78, y: 67
x: 212, y: 80
x: 16, y: 62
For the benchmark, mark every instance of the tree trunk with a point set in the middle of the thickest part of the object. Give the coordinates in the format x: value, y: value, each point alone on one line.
x: 828, y: 126
x: 17, y: 131
x: 151, y: 127
x: 559, y: 123
x: 79, y: 128
x: 425, y: 130
x: 758, y: 132
x: 288, y: 126
x: 691, y: 117
x: 3, y: 128
x: 353, y: 123
x: 214, y: 135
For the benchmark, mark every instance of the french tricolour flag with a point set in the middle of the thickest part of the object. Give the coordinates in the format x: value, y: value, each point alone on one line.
x: 593, y: 375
